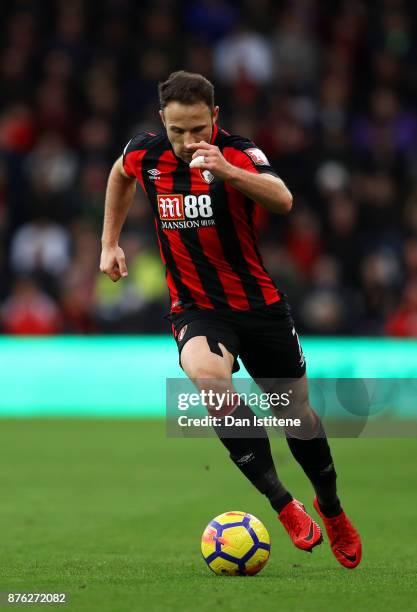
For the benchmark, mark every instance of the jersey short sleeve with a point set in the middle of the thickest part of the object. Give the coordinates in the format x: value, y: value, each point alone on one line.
x: 134, y: 151
x: 244, y: 153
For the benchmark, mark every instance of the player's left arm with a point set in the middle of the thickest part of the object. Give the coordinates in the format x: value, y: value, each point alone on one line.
x: 267, y: 189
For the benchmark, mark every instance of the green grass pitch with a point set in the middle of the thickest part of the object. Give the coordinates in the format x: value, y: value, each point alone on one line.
x: 112, y: 513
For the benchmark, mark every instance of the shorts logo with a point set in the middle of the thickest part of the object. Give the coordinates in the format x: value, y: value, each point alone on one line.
x: 207, y: 176
x: 171, y: 208
x: 257, y: 156
x: 182, y: 333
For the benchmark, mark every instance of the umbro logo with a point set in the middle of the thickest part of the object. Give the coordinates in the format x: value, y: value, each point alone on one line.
x: 154, y: 174
x: 245, y: 459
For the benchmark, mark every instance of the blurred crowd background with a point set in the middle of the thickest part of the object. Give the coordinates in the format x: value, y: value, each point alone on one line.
x: 328, y: 89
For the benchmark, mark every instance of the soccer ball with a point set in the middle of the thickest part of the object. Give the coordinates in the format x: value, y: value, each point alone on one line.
x: 236, y: 543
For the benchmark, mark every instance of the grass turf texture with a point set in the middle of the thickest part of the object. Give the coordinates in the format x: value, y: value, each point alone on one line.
x: 112, y: 513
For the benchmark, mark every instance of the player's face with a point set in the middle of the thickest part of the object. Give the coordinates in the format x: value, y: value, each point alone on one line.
x: 188, y: 123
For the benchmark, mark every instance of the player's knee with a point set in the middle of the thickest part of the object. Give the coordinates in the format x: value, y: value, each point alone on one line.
x: 211, y: 372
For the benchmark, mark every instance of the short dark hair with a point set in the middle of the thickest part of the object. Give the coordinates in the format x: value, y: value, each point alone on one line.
x: 186, y: 88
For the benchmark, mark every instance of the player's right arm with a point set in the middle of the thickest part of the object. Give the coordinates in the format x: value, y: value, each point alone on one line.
x: 119, y: 197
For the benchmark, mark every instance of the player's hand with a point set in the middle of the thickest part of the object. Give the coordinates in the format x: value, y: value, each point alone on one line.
x: 213, y: 160
x: 113, y: 263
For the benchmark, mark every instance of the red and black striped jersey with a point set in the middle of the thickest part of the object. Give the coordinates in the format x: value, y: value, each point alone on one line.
x: 206, y: 228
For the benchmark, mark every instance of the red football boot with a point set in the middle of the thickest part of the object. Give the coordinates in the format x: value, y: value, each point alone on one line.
x: 303, y: 531
x: 344, y: 539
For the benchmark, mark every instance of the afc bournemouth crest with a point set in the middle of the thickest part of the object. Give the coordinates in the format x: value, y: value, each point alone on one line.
x: 207, y: 176
x: 182, y: 333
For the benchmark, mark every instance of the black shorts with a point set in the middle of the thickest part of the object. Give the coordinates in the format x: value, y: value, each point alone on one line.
x: 264, y: 338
